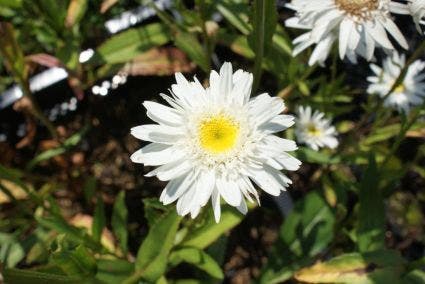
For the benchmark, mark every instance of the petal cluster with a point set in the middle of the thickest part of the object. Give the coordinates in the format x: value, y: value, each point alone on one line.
x: 410, y: 92
x: 357, y: 26
x: 314, y: 130
x: 185, y: 143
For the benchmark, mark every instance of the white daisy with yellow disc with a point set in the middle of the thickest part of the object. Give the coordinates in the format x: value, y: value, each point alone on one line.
x: 216, y: 142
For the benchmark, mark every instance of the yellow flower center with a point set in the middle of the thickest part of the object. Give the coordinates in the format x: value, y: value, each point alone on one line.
x: 218, y: 134
x: 357, y: 8
x: 400, y: 89
x: 313, y: 130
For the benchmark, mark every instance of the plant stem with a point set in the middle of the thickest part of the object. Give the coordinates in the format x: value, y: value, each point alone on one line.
x: 36, y: 110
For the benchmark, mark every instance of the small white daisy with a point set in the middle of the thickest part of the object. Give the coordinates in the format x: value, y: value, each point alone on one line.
x: 409, y: 93
x: 215, y: 142
x: 314, y: 130
x: 359, y: 26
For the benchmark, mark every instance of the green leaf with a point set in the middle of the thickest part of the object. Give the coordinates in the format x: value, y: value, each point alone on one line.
x: 371, y: 226
x: 414, y: 277
x: 309, y: 227
x: 34, y: 277
x: 119, y: 221
x: 235, y: 14
x: 12, y: 53
x: 264, y: 22
x: 151, y: 261
x: 210, y: 231
x: 127, y: 45
x: 61, y: 226
x: 76, y: 11
x: 153, y: 210
x: 199, y: 259
x: 112, y: 271
x: 78, y: 261
x: 384, y: 266
x: 99, y: 220
x: 11, y: 3
x: 190, y: 45
x: 67, y: 145
x: 308, y: 155
x: 11, y: 251
x: 382, y: 134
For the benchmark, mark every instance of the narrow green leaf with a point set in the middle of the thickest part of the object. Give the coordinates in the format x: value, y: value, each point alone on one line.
x: 78, y: 261
x: 264, y: 22
x: 309, y: 227
x: 384, y: 266
x: 414, y: 277
x: 11, y: 251
x: 12, y: 53
x: 34, y: 277
x: 99, y: 220
x: 371, y: 226
x: 198, y: 258
x: 67, y: 145
x: 75, y: 13
x: 153, y: 210
x: 119, y: 221
x: 61, y: 226
x: 11, y: 3
x: 112, y: 271
x: 308, y: 155
x: 236, y: 15
x: 210, y: 231
x: 127, y: 45
x: 190, y: 45
x: 151, y: 261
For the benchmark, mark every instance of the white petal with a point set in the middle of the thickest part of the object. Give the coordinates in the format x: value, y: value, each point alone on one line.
x: 215, y: 202
x: 157, y: 133
x: 162, y: 114
x: 229, y: 191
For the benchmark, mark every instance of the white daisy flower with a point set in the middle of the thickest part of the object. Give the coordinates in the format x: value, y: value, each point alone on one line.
x: 409, y: 93
x: 359, y: 26
x: 314, y: 130
x: 417, y: 10
x: 216, y: 142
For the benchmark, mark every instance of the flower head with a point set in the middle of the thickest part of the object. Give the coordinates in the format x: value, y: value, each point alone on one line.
x: 409, y: 93
x: 359, y: 26
x: 314, y: 130
x: 216, y: 142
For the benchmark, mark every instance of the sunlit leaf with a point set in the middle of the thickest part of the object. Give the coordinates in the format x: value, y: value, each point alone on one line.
x: 152, y: 256
x: 75, y: 13
x: 383, y: 266
x: 127, y: 45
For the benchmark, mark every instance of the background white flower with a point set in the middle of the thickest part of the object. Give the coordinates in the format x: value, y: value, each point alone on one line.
x: 409, y: 93
x: 314, y: 130
x: 359, y: 26
x: 417, y: 10
x: 214, y: 142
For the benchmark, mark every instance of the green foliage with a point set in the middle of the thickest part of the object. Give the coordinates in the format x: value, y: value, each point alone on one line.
x: 127, y: 45
x: 152, y: 255
x: 384, y: 266
x: 119, y: 221
x: 356, y: 206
